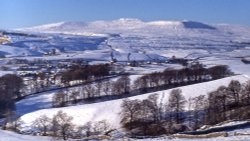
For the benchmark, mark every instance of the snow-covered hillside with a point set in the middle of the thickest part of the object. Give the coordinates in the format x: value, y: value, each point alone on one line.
x: 96, y: 112
x: 154, y: 40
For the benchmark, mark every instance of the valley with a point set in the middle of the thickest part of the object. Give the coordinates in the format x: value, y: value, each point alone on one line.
x: 89, y: 69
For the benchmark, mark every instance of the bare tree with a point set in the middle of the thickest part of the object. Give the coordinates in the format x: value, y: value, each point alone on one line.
x: 141, y: 84
x: 106, y: 87
x: 43, y: 124
x: 212, y: 110
x: 217, y: 105
x: 155, y: 107
x: 88, y: 128
x: 89, y: 91
x: 74, y: 96
x: 122, y: 85
x: 245, y: 93
x: 98, y: 86
x: 234, y: 89
x: 59, y: 99
x: 82, y: 92
x: 222, y: 99
x: 199, y: 110
x: 176, y: 103
x: 130, y: 110
x: 146, y: 109
x: 62, y: 125
x: 101, y: 127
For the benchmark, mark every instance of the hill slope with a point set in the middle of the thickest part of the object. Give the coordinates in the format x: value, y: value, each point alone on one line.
x: 155, y: 39
x: 108, y: 110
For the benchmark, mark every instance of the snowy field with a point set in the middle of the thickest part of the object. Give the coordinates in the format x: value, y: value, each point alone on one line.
x: 125, y: 40
x: 11, y: 136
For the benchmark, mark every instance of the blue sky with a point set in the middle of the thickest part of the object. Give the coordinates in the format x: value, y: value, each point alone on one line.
x: 25, y: 13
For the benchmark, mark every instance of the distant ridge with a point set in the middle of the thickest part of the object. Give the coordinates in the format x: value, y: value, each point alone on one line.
x: 139, y: 38
x: 123, y: 23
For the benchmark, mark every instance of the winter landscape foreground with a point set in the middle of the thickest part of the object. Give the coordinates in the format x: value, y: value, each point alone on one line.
x: 186, y: 53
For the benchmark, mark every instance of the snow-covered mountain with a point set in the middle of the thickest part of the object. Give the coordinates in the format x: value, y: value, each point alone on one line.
x: 116, y: 25
x: 143, y: 40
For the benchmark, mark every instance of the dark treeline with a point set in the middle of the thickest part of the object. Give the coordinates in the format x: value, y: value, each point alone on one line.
x: 89, y: 92
x: 123, y: 87
x: 156, y: 116
x: 171, y: 77
x: 40, y: 82
x: 77, y: 74
x: 87, y: 72
x: 10, y: 89
x: 151, y: 117
x: 229, y: 103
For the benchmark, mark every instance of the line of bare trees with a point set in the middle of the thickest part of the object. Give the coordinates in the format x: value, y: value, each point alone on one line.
x: 123, y: 87
x: 156, y: 115
x: 88, y: 72
x: 225, y: 103
x: 157, y: 81
x: 75, y: 75
x: 229, y: 103
x: 171, y: 77
x: 40, y: 82
x: 61, y: 126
